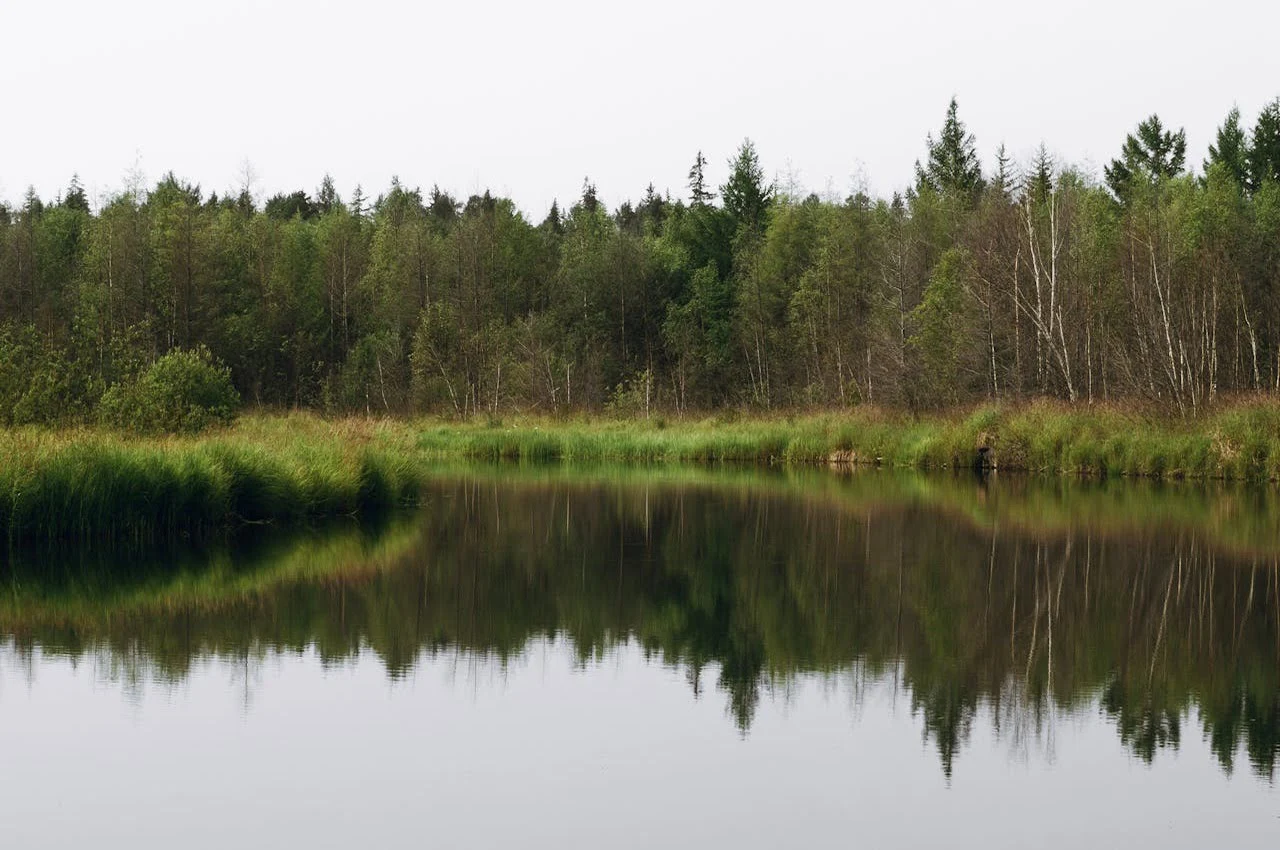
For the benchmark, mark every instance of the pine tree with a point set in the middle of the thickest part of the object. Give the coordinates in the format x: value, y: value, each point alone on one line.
x: 698, y: 194
x: 953, y: 165
x: 1154, y: 152
x: 1264, y: 155
x: 1231, y: 151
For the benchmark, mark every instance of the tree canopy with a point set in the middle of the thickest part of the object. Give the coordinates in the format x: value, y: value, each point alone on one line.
x: 1147, y: 283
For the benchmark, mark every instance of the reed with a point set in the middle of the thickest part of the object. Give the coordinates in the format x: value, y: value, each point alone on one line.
x: 270, y: 469
x: 298, y: 467
x: 1241, y: 442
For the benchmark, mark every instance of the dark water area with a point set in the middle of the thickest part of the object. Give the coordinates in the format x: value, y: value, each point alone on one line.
x: 551, y: 658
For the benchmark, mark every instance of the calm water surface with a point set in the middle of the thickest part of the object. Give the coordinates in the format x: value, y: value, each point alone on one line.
x: 540, y: 658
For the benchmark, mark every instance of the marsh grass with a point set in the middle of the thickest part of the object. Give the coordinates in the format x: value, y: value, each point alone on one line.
x: 270, y: 469
x: 297, y: 467
x: 1239, y: 443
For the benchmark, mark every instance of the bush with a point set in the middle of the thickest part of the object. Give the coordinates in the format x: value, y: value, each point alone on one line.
x: 182, y: 392
x: 41, y: 383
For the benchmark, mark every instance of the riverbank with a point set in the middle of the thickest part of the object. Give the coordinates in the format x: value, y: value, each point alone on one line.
x: 297, y: 467
x: 1240, y: 443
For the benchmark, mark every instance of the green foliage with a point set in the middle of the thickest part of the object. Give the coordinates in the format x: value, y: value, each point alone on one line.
x: 296, y: 467
x: 86, y: 485
x: 1264, y: 152
x: 40, y: 384
x: 699, y: 333
x: 746, y: 194
x: 1231, y: 150
x: 182, y: 392
x: 1152, y: 154
x: 943, y: 330
x: 952, y: 166
x: 699, y: 194
x: 427, y: 302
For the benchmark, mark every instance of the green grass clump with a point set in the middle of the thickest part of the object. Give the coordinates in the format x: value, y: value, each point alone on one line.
x: 275, y: 469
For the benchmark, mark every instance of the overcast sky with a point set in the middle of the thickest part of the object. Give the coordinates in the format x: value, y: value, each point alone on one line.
x: 528, y: 98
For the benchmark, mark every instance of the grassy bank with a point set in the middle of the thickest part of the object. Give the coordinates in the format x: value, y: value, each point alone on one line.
x: 265, y: 469
x: 1240, y: 443
x: 277, y: 468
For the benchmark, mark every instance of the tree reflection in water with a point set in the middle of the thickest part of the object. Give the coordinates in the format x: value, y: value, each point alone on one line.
x: 971, y: 612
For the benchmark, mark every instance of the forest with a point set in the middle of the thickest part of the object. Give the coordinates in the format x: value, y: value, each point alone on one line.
x: 1154, y: 282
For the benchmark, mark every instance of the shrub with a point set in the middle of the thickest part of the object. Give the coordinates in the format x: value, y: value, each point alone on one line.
x: 41, y: 384
x: 182, y: 392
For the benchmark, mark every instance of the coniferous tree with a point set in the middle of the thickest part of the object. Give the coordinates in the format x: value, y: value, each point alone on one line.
x: 1039, y: 283
x: 359, y: 205
x: 746, y: 194
x: 653, y: 209
x: 1153, y: 151
x: 1040, y: 179
x: 698, y: 192
x: 326, y: 196
x: 75, y: 198
x: 590, y: 202
x: 295, y: 204
x: 1264, y: 153
x: 554, y: 222
x: 1003, y: 180
x: 1231, y: 150
x: 952, y: 166
x: 443, y: 208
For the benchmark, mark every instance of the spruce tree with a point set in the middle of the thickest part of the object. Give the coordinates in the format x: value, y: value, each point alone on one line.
x: 952, y: 166
x: 75, y: 198
x: 443, y: 208
x: 698, y: 194
x: 1153, y: 151
x: 747, y: 197
x: 1002, y: 182
x: 653, y: 208
x: 1231, y: 150
x: 1039, y: 183
x: 590, y: 202
x: 554, y: 222
x: 326, y: 196
x: 1264, y: 155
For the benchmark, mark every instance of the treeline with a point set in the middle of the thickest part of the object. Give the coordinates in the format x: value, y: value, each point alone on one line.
x: 1031, y: 279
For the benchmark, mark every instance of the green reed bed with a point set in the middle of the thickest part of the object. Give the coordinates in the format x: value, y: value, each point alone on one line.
x: 85, y: 484
x: 288, y: 468
x: 1238, y: 443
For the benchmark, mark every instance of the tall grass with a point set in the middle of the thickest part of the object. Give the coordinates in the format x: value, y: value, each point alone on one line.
x: 86, y: 484
x: 288, y: 468
x: 1238, y: 443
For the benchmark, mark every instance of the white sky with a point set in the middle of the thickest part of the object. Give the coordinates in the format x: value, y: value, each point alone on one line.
x: 529, y: 97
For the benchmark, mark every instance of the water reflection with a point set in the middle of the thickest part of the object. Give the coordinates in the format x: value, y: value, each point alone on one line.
x: 978, y: 602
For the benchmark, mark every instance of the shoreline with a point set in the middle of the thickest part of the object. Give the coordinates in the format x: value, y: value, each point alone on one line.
x: 293, y: 467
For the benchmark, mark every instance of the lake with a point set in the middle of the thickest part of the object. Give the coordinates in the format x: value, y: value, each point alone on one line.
x: 547, y: 657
